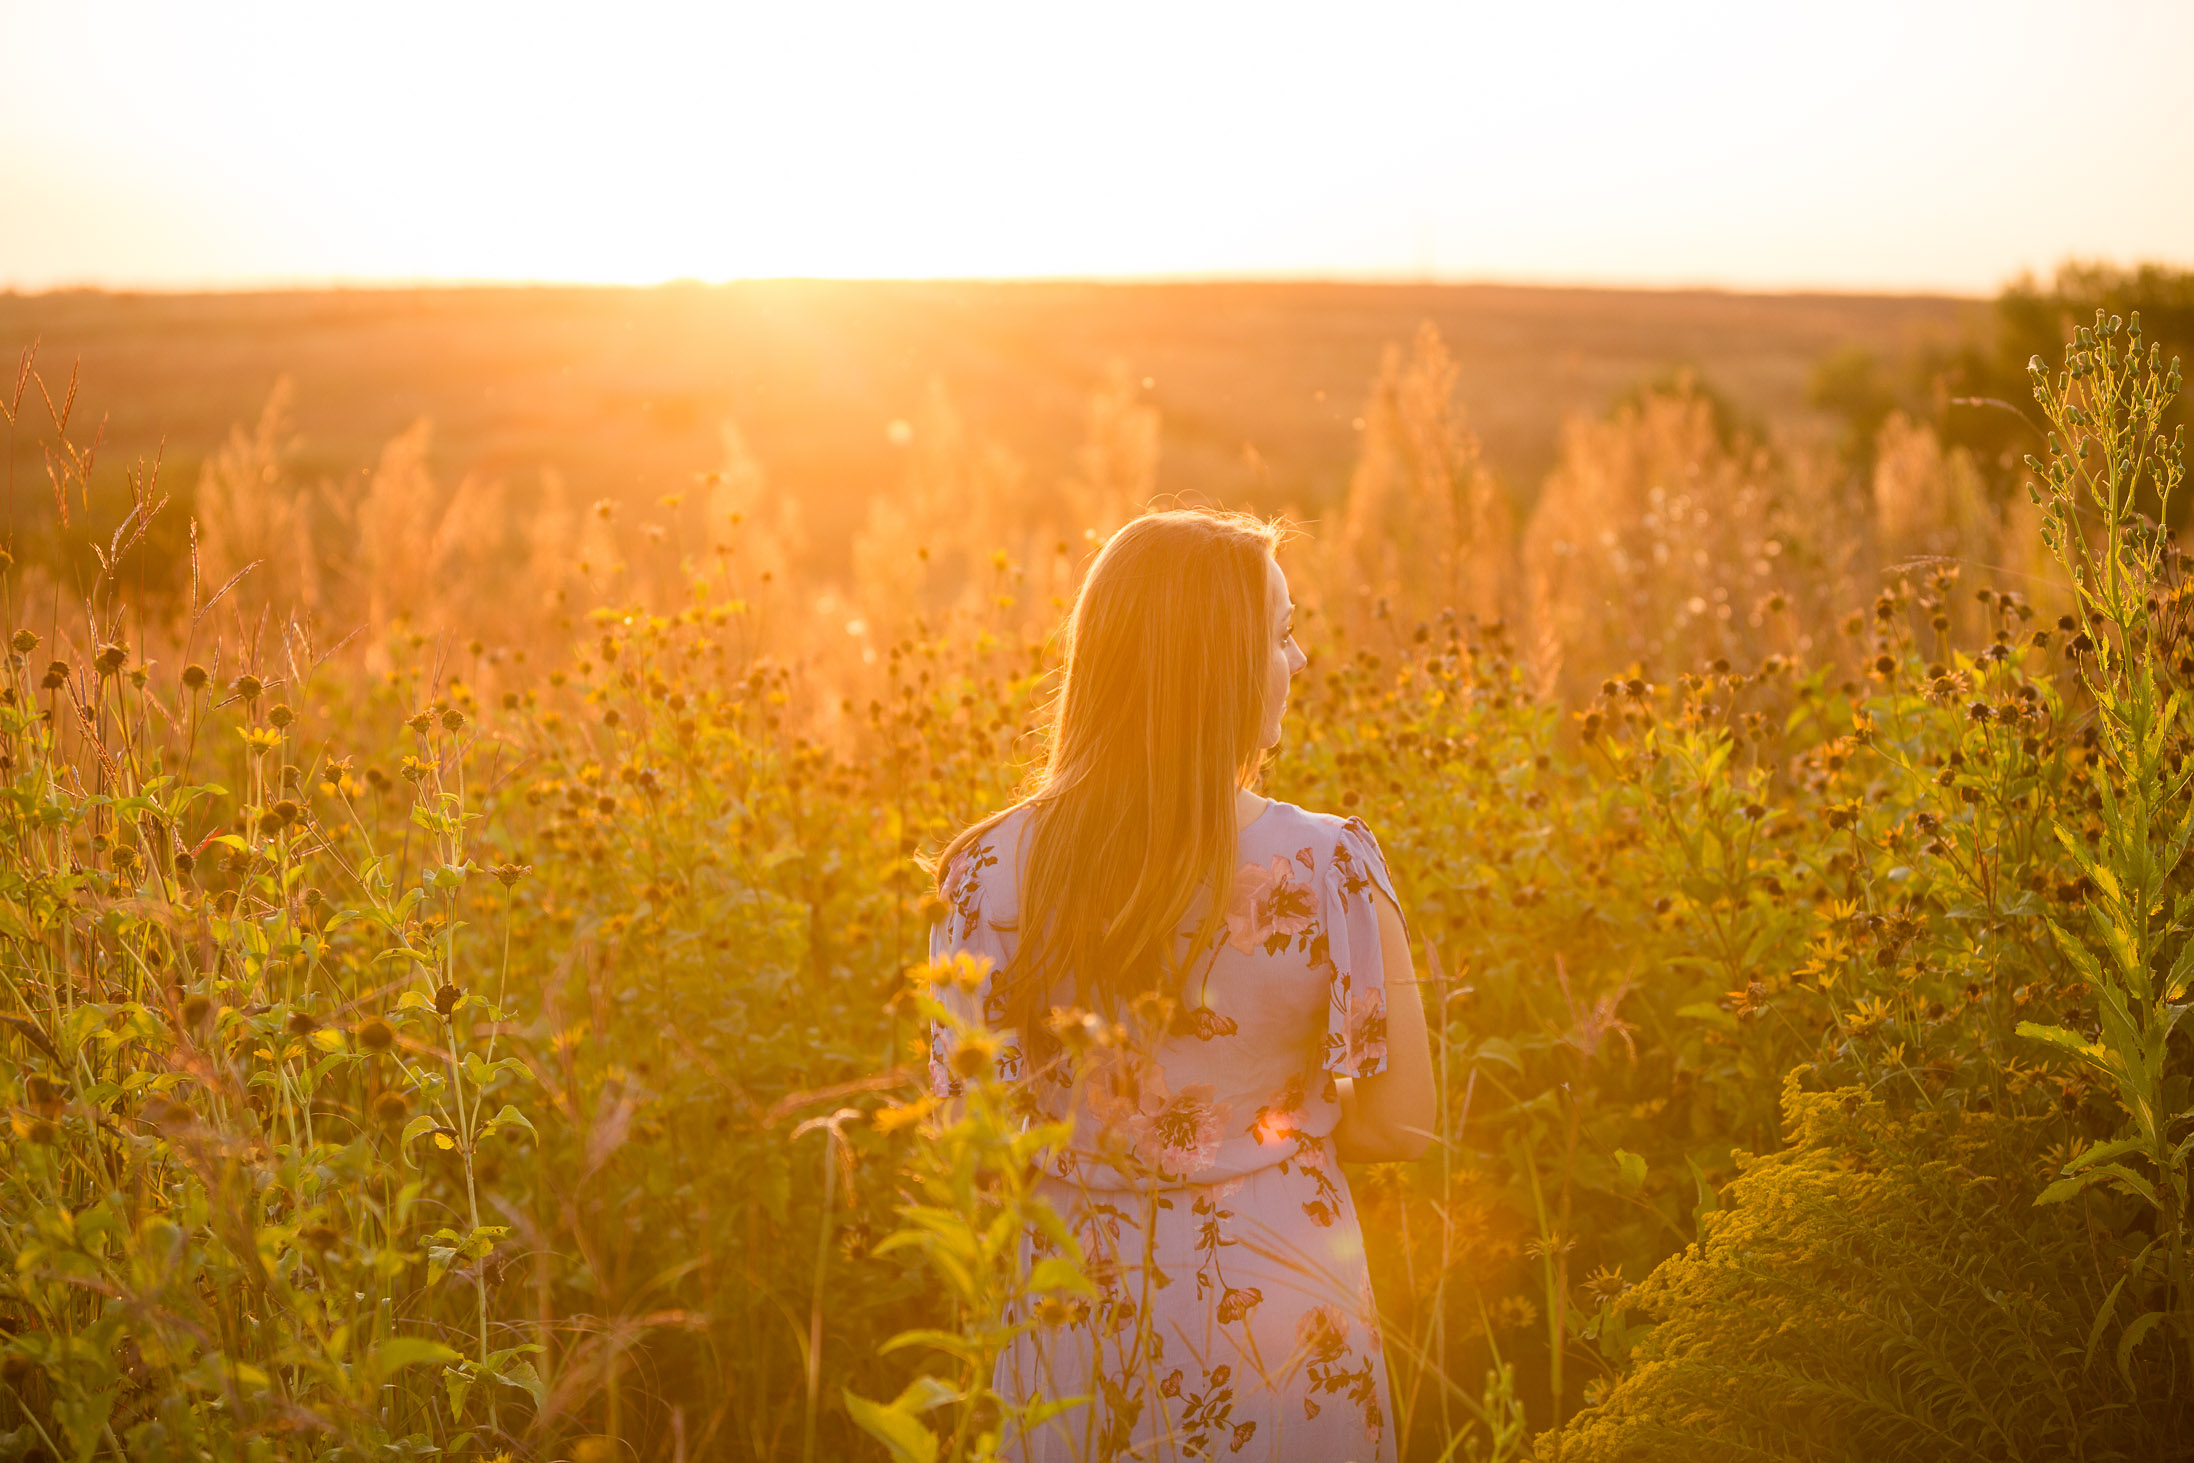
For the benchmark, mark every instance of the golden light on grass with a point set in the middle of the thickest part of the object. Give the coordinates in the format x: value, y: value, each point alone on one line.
x: 465, y: 980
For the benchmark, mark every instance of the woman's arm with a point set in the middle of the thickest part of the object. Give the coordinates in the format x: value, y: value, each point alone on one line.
x: 1389, y: 1117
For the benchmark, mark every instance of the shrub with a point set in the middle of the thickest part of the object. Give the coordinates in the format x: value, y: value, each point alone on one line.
x: 1884, y: 1288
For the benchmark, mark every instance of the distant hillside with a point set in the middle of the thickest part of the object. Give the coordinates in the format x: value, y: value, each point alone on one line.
x: 621, y: 390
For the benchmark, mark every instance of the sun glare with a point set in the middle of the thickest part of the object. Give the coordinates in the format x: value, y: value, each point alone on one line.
x: 1731, y: 144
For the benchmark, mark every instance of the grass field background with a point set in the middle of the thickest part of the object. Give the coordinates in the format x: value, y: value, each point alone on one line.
x: 622, y: 391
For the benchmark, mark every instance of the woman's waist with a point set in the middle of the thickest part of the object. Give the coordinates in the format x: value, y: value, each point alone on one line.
x: 1112, y: 1166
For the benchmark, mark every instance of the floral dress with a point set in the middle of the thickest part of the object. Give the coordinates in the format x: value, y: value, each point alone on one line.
x: 1233, y: 1311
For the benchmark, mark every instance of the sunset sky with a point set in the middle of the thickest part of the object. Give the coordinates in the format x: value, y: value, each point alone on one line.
x: 1902, y: 146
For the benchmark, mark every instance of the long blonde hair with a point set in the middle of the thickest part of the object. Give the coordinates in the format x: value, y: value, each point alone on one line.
x: 1158, y: 723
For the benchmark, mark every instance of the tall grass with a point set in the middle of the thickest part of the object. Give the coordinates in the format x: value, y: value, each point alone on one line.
x: 493, y: 1032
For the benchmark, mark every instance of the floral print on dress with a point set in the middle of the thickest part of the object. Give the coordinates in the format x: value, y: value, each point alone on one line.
x: 1175, y: 1135
x: 1272, y: 904
x: 1232, y: 1313
x: 1356, y: 1017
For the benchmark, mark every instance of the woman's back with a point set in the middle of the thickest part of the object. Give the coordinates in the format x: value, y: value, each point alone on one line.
x: 1246, y: 1055
x: 1202, y: 1180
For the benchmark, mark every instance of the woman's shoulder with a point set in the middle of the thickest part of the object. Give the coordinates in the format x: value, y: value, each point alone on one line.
x: 992, y: 858
x: 1336, y: 848
x: 1329, y: 833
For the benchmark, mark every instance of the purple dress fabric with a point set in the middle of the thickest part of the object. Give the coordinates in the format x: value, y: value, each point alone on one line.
x: 1234, y: 1315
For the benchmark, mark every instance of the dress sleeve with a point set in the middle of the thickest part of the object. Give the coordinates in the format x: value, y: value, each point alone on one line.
x: 1355, y: 1042
x: 962, y: 930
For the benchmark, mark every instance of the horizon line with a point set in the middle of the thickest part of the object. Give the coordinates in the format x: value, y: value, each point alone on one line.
x: 369, y: 284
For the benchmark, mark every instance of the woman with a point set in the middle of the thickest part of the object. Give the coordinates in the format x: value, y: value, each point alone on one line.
x: 1216, y: 1056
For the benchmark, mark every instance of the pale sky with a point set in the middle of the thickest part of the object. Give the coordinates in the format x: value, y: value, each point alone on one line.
x: 1854, y: 145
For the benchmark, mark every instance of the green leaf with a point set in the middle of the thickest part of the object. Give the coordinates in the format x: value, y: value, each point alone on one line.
x: 2181, y: 978
x: 2135, y: 1329
x: 509, y: 1117
x: 413, y: 1130
x: 1041, y: 1411
x: 458, y: 1386
x: 2126, y: 1177
x: 2110, y: 1305
x: 927, y: 1393
x: 2064, y: 1188
x: 2070, y: 1041
x: 2076, y: 951
x: 1632, y: 1167
x: 952, y: 1343
x: 2100, y: 1151
x: 1709, y: 1201
x: 1053, y: 1273
x: 446, y: 1248
x: 896, y: 1427
x: 1499, y: 1049
x: 522, y: 1375
x: 398, y: 1352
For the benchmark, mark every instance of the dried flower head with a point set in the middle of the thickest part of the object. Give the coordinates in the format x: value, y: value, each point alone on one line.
x: 111, y: 659
x: 24, y: 641
x: 375, y: 1035
x: 391, y: 1108
x: 280, y: 716
x: 446, y: 998
x: 974, y: 1056
x: 303, y: 1023
x: 248, y: 687
x: 1078, y: 1030
x: 45, y: 1095
x: 195, y: 677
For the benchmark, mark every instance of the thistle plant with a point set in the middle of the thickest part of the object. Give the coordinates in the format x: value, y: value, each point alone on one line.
x: 2106, y: 490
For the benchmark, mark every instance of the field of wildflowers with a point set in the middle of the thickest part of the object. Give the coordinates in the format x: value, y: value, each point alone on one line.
x: 498, y: 1033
